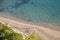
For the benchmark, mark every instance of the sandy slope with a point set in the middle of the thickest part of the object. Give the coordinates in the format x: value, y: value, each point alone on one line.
x: 26, y: 28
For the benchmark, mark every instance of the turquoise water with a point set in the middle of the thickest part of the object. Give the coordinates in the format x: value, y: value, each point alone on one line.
x: 47, y: 11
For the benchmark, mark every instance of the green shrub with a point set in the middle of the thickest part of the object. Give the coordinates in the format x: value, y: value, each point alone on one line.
x: 6, y: 33
x: 32, y: 37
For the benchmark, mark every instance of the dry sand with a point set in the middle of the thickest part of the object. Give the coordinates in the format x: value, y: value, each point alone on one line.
x: 29, y: 28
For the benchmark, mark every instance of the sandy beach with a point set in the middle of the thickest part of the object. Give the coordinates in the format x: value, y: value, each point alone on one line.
x: 49, y: 33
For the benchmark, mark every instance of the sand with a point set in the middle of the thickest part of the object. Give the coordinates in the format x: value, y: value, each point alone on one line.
x: 49, y: 33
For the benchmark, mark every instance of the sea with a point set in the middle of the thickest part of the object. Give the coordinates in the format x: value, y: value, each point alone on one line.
x: 40, y: 11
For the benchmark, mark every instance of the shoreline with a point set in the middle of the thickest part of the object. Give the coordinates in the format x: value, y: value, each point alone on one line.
x: 46, y: 32
x: 45, y: 25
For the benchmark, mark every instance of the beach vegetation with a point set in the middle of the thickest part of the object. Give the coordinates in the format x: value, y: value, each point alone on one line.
x: 6, y: 33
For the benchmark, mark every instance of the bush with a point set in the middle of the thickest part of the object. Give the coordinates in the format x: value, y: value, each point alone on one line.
x: 32, y: 37
x: 6, y: 33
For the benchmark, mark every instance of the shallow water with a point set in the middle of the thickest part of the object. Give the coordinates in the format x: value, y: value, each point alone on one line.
x: 47, y: 11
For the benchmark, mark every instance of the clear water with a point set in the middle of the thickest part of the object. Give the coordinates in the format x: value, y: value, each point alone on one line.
x: 47, y: 11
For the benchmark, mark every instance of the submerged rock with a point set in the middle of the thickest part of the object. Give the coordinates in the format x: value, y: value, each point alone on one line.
x: 25, y: 1
x: 1, y: 10
x: 21, y: 2
x: 29, y: 19
x: 1, y: 1
x: 17, y: 5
